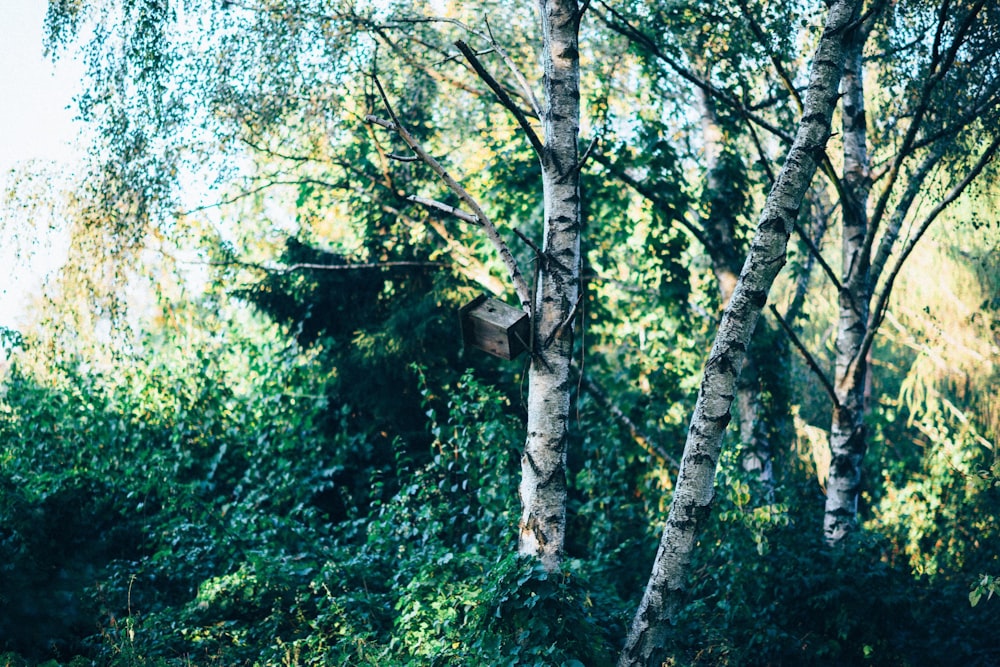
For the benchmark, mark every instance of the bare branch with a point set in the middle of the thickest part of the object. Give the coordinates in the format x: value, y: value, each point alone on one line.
x: 565, y: 323
x: 255, y: 190
x: 647, y: 443
x: 654, y: 197
x: 531, y: 244
x: 809, y: 358
x: 406, y: 55
x: 814, y: 251
x: 502, y: 97
x: 526, y: 90
x: 802, y: 280
x: 586, y: 154
x: 764, y: 161
x: 520, y: 285
x: 525, y: 93
x: 352, y: 267
x: 311, y: 266
x: 441, y: 206
x: 464, y: 263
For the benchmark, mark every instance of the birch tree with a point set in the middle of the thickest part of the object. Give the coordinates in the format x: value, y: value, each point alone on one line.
x: 543, y: 464
x: 732, y: 119
x: 960, y: 73
x: 552, y: 307
x: 694, y: 490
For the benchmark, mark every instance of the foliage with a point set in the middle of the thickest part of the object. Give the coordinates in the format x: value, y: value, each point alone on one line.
x: 285, y: 457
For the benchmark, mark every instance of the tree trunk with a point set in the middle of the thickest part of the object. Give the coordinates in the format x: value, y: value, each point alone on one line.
x: 543, y: 463
x: 847, y: 432
x: 694, y: 490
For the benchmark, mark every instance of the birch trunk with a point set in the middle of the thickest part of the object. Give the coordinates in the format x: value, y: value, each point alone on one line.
x: 694, y: 491
x: 847, y: 432
x: 543, y: 464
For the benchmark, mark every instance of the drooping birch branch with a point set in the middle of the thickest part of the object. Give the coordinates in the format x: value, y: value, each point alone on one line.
x: 517, y: 278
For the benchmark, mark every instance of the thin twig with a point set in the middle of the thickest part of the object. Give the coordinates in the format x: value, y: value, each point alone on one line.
x: 531, y: 244
x: 586, y: 154
x: 446, y: 208
x: 350, y: 267
x: 525, y: 93
x: 802, y: 280
x: 301, y: 266
x: 814, y: 251
x: 642, y: 439
x: 526, y: 90
x: 260, y: 188
x: 810, y: 360
x: 617, y: 171
x: 565, y: 323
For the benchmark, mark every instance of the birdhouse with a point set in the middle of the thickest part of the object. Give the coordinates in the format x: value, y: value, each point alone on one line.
x: 495, y: 327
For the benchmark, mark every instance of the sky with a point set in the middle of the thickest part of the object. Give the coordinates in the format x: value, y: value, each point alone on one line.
x: 36, y: 124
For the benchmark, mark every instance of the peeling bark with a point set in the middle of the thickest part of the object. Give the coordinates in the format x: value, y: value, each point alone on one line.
x: 543, y: 463
x: 694, y: 490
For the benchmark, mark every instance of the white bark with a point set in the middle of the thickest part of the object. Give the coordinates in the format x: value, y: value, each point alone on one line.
x: 543, y: 463
x: 847, y: 432
x: 694, y: 490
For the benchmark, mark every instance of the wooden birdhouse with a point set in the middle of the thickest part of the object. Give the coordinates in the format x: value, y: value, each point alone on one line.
x: 495, y: 327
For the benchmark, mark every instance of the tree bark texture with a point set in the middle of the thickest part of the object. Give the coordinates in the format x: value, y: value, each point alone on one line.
x: 694, y: 491
x: 847, y: 432
x: 543, y: 463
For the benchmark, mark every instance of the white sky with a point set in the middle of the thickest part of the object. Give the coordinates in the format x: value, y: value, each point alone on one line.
x: 36, y: 124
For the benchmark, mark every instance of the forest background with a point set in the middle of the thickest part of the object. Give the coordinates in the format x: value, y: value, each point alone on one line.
x: 242, y: 427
